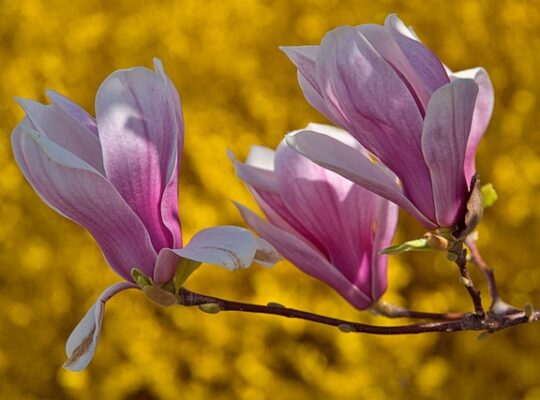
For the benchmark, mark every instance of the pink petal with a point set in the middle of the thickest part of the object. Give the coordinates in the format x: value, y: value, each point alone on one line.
x: 357, y: 82
x: 84, y: 118
x: 444, y: 141
x: 315, y: 99
x: 64, y: 130
x: 81, y: 344
x: 392, y: 22
x: 139, y: 134
x: 304, y: 58
x: 352, y: 164
x: 344, y: 230
x: 265, y: 188
x: 258, y: 173
x: 79, y: 192
x: 482, y: 114
x: 426, y: 64
x: 382, y: 40
x: 254, y: 175
x: 166, y: 264
x: 169, y: 201
x: 306, y: 258
x: 386, y: 219
x: 231, y: 247
x: 276, y: 212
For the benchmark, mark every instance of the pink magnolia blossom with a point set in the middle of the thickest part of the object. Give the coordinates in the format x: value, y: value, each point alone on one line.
x: 117, y: 176
x: 329, y: 227
x: 404, y: 106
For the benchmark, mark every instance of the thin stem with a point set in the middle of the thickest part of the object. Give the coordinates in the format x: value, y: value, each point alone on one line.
x: 469, y: 322
x: 461, y: 261
x: 486, y: 269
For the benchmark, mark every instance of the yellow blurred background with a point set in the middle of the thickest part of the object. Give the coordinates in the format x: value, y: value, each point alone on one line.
x: 239, y: 89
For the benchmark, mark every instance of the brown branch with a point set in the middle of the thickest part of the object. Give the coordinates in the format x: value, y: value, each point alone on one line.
x: 460, y: 254
x: 498, y: 305
x: 496, y: 300
x: 469, y: 322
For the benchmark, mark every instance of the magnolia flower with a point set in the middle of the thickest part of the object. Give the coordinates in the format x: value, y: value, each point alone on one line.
x: 324, y: 224
x: 117, y: 176
x: 398, y: 100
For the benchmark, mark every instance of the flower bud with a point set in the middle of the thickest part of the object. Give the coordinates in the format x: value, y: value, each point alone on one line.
x: 210, y: 308
x: 436, y: 242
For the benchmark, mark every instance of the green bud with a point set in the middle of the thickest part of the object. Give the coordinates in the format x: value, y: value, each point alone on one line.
x: 210, y: 308
x: 436, y: 242
x: 489, y: 195
x: 451, y: 256
x: 345, y: 328
x: 140, y: 278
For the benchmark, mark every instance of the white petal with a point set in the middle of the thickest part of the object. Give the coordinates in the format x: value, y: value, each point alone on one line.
x: 231, y: 247
x: 261, y: 157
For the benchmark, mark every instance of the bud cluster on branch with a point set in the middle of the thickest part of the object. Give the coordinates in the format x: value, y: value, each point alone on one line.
x: 405, y: 133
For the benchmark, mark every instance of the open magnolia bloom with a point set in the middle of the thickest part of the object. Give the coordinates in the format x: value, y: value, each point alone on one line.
x: 398, y: 100
x: 117, y: 176
x: 329, y: 227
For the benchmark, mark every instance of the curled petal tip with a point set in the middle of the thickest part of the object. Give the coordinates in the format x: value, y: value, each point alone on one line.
x: 266, y: 254
x: 82, y: 342
x: 158, y: 66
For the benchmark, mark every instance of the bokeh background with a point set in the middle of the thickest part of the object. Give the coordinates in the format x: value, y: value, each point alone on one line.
x: 239, y: 89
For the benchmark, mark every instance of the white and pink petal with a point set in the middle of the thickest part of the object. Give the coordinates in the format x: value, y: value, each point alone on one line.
x: 444, y: 142
x: 482, y: 114
x: 81, y: 344
x: 139, y: 135
x: 79, y: 192
x: 355, y: 166
x: 307, y: 259
x: 66, y: 131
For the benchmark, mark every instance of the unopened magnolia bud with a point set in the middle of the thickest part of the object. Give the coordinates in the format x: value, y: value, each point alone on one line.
x: 345, y: 328
x: 465, y: 282
x: 451, y: 257
x: 210, y: 308
x: 436, y: 242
